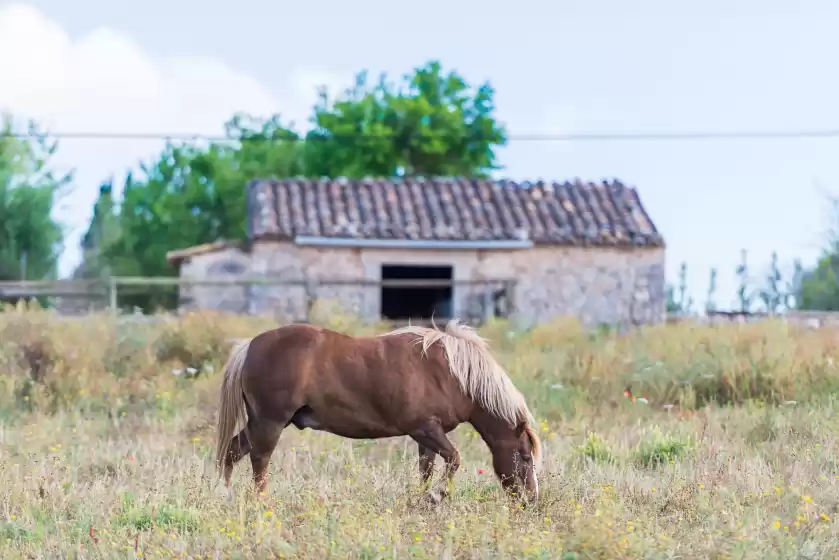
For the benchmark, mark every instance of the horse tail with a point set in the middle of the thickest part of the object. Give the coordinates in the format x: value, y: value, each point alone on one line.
x: 232, y: 412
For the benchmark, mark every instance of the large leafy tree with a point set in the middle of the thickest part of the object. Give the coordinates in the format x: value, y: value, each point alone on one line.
x: 102, y: 231
x: 193, y: 195
x: 433, y: 123
x: 187, y: 196
x: 819, y: 286
x: 30, y: 238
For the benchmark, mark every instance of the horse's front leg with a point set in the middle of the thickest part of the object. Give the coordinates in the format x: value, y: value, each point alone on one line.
x: 426, y: 465
x: 432, y: 437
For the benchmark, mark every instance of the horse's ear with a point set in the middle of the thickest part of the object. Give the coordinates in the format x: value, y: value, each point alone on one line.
x: 520, y: 429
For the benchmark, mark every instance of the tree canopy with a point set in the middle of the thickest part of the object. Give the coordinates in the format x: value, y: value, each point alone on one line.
x: 429, y: 122
x: 818, y: 287
x: 433, y: 124
x: 30, y: 238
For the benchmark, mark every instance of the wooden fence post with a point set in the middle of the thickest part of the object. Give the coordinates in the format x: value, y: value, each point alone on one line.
x: 311, y: 296
x: 510, y: 289
x: 112, y: 294
x: 487, y: 305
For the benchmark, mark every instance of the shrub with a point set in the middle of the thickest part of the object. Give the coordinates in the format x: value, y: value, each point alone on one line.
x: 50, y: 363
x: 596, y: 449
x: 658, y: 448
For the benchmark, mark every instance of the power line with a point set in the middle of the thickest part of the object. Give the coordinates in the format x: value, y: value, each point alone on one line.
x: 574, y: 137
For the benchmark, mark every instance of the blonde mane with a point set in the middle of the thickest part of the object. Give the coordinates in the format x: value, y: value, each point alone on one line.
x: 479, y: 375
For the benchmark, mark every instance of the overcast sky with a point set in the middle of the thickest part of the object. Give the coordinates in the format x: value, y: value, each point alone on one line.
x: 558, y: 67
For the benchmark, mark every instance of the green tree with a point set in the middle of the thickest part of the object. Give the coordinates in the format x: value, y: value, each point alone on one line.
x: 772, y: 295
x: 710, y: 299
x: 817, y: 288
x: 192, y: 195
x: 30, y: 238
x: 684, y: 304
x: 434, y: 124
x: 745, y: 296
x: 102, y: 232
x: 794, y: 285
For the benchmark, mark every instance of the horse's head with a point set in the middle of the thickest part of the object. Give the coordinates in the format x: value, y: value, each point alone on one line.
x: 516, y: 458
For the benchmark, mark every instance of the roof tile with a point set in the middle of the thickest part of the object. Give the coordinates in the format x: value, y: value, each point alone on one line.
x: 446, y: 208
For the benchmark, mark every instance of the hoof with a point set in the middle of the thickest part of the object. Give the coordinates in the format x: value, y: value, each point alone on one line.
x: 435, y: 497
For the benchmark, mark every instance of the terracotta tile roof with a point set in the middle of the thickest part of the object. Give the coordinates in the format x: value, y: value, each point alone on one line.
x: 443, y: 208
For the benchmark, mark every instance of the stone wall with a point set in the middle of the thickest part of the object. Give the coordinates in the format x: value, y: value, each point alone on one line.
x: 598, y: 285
x: 229, y: 263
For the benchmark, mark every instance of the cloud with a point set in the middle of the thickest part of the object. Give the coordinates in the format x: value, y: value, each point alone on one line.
x: 104, y: 82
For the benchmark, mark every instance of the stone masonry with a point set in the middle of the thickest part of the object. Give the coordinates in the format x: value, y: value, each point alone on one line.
x: 595, y: 284
x: 589, y: 250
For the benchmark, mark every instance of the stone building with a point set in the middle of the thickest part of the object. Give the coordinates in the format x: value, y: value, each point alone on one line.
x: 480, y: 247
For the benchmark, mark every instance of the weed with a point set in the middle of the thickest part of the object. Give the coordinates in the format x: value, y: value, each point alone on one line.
x: 596, y: 449
x: 724, y: 447
x: 658, y: 448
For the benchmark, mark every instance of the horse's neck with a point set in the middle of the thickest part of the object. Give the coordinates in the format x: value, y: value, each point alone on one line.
x: 492, y: 430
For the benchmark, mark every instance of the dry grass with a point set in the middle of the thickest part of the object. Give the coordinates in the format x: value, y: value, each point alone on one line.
x: 105, y: 452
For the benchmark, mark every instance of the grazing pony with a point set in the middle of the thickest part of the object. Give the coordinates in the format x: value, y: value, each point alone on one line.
x: 413, y: 381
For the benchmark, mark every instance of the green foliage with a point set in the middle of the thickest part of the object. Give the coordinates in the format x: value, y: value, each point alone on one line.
x: 188, y: 196
x: 819, y: 286
x: 102, y: 231
x: 30, y: 238
x: 794, y: 286
x: 744, y: 294
x: 710, y: 303
x: 772, y: 295
x: 684, y: 305
x: 596, y: 448
x: 778, y: 294
x: 432, y: 125
x: 775, y: 294
x: 144, y: 518
x: 659, y: 448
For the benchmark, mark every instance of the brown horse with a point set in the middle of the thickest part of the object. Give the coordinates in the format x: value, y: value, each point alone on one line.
x: 413, y: 381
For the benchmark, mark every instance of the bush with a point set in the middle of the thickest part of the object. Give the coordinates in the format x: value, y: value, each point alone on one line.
x: 51, y: 363
x: 658, y: 449
x: 107, y: 426
x: 596, y: 449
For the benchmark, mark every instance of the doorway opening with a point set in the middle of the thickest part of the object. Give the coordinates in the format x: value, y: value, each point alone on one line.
x: 420, y: 302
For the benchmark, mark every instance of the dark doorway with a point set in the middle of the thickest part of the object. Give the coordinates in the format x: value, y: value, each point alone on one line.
x: 417, y: 302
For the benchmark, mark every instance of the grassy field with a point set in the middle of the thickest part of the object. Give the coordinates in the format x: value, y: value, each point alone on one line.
x: 725, y: 448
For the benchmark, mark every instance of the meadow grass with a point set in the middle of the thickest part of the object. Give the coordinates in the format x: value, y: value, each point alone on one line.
x: 724, y: 448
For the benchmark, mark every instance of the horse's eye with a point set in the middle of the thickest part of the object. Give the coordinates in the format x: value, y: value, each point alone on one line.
x: 526, y: 458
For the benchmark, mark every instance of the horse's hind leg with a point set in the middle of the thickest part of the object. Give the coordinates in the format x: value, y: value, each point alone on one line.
x: 264, y: 436
x: 432, y: 437
x: 239, y: 447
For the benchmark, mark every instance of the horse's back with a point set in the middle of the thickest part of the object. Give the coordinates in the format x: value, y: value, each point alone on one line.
x: 374, y: 383
x: 280, y: 358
